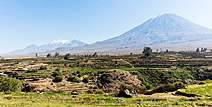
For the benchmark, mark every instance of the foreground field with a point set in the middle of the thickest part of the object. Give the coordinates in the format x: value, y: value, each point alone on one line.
x: 162, y: 79
x: 48, y: 99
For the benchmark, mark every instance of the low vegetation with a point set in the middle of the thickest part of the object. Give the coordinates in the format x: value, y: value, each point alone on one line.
x: 148, y: 79
x: 8, y: 84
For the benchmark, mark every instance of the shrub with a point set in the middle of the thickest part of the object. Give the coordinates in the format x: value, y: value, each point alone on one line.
x: 74, y: 79
x: 57, y: 69
x: 79, y: 75
x: 167, y: 88
x: 56, y: 73
x: 28, y: 88
x: 8, y: 84
x: 58, y: 78
x: 85, y: 80
x: 142, y: 90
x: 126, y: 87
x: 148, y: 87
x: 201, y: 83
x: 74, y: 73
x: 163, y: 88
x: 78, y: 72
x: 43, y: 68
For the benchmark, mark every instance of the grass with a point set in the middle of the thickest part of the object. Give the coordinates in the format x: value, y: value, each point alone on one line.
x: 203, y: 90
x: 92, y: 100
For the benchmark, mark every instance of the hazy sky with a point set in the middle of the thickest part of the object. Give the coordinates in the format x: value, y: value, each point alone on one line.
x: 25, y: 22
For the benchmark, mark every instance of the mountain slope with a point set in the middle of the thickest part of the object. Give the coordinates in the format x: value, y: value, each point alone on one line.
x: 166, y: 31
x: 48, y: 47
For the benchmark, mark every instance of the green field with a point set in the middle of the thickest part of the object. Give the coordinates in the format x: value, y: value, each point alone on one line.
x: 93, y: 81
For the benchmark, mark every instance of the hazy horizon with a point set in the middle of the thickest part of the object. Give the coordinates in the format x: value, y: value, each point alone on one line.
x: 25, y: 22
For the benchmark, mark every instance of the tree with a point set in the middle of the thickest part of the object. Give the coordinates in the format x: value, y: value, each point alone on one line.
x: 67, y: 56
x: 95, y: 54
x: 197, y: 50
x: 147, y: 51
x: 57, y: 54
x: 204, y: 50
x: 48, y: 55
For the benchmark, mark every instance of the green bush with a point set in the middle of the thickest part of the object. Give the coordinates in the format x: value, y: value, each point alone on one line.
x: 157, y: 77
x: 148, y: 87
x: 8, y: 84
x: 142, y: 90
x: 58, y: 78
x: 28, y: 88
x: 74, y: 79
x: 126, y: 87
x: 167, y: 88
x: 57, y: 69
x: 74, y: 73
x: 43, y: 68
x: 85, y: 80
x: 201, y: 83
x: 56, y: 73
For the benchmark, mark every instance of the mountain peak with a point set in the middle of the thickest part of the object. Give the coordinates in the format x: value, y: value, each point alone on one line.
x: 170, y: 24
x: 171, y: 17
x: 168, y: 15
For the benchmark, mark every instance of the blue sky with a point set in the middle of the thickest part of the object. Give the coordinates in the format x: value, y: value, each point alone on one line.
x: 26, y: 22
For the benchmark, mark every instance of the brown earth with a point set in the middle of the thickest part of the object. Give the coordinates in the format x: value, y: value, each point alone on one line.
x: 112, y: 80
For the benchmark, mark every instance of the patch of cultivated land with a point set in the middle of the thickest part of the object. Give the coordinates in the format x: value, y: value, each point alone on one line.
x: 161, y: 79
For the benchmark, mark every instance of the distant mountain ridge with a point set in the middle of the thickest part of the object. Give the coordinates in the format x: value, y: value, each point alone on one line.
x: 168, y: 31
x: 48, y: 47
